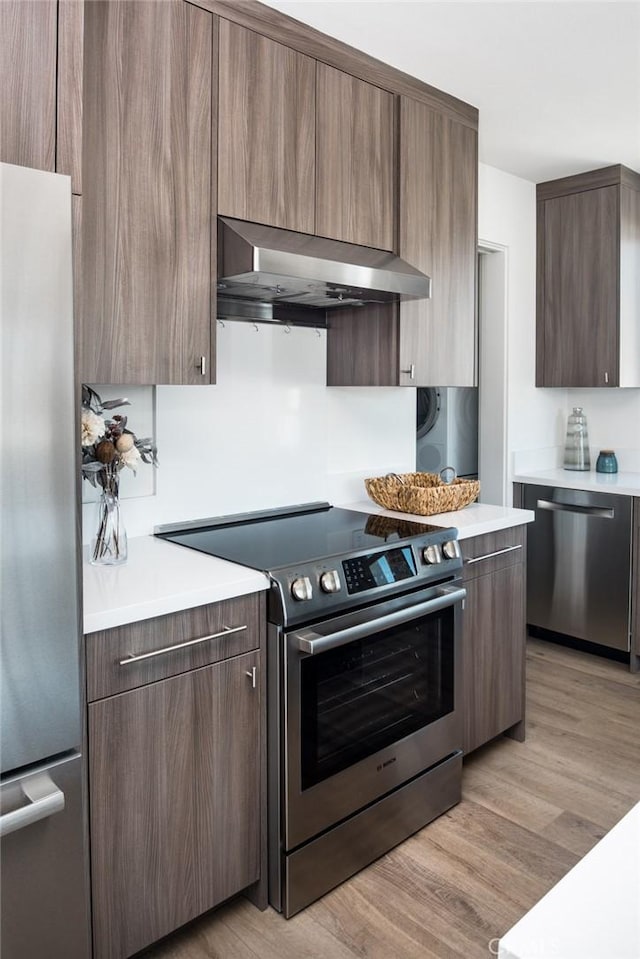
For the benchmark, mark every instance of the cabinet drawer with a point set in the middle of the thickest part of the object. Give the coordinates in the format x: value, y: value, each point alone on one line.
x: 213, y: 633
x: 493, y: 551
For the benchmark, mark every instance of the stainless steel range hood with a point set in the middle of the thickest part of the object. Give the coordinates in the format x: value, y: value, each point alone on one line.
x: 268, y: 265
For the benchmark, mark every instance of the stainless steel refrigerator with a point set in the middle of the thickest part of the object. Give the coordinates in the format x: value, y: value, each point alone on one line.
x: 42, y: 825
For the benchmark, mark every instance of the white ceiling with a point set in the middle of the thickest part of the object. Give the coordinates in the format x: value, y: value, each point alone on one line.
x: 557, y: 82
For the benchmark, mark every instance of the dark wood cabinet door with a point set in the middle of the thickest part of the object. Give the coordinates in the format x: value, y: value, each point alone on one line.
x: 355, y: 198
x: 438, y: 234
x: 493, y: 652
x: 578, y: 297
x: 147, y: 193
x: 635, y: 589
x: 175, y: 802
x: 266, y: 123
x: 28, y: 38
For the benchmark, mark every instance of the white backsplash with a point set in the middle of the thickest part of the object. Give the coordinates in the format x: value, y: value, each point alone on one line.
x: 533, y: 461
x: 613, y: 418
x: 613, y: 421
x: 270, y: 433
x: 141, y: 420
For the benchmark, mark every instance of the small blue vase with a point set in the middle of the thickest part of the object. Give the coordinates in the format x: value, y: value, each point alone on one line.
x: 607, y: 462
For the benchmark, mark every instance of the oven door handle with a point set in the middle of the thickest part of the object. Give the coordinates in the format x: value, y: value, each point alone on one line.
x: 313, y: 643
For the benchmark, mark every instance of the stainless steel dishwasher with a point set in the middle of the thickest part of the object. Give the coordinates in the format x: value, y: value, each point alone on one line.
x: 579, y: 564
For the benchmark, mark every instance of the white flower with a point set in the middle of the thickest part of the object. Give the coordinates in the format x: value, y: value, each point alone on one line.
x: 92, y: 428
x: 130, y: 458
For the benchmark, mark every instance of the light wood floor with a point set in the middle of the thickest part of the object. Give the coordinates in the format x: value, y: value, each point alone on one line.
x: 529, y: 812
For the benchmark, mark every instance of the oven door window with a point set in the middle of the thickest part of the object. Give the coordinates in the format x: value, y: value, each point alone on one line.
x: 370, y: 693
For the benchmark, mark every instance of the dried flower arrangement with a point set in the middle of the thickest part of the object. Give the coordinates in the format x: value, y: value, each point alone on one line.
x: 107, y: 447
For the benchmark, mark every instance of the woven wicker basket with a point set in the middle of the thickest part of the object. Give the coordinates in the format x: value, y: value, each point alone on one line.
x: 422, y: 493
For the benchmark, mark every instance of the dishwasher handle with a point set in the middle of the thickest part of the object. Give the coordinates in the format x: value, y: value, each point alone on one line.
x: 600, y: 511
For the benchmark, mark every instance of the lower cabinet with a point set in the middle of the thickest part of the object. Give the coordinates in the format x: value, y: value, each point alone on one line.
x: 494, y: 636
x: 634, y: 659
x: 176, y: 781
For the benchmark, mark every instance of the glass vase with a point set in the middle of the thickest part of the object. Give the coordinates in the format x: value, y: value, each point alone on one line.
x: 109, y: 545
x: 576, y: 450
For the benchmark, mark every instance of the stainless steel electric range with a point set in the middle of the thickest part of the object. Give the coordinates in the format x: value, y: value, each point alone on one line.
x: 363, y: 668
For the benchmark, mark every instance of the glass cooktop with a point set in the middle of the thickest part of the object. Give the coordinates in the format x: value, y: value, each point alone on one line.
x: 275, y: 540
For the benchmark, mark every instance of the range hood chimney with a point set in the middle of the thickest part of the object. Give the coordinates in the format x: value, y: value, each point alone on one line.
x: 265, y: 264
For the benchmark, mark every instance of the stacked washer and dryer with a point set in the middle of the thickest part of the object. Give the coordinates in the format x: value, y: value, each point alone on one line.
x: 447, y: 429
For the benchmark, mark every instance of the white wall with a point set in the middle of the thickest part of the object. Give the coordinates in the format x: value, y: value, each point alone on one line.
x: 507, y: 218
x: 270, y: 433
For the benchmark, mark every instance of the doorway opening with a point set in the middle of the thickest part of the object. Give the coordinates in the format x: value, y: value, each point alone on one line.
x: 492, y: 373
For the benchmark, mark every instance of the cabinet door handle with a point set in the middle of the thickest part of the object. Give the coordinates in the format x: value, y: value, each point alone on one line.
x: 411, y: 371
x: 202, y: 365
x: 497, y: 552
x: 136, y: 658
x: 251, y: 673
x: 606, y: 377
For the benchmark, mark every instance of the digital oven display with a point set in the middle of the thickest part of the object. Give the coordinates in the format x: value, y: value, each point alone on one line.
x: 379, y: 569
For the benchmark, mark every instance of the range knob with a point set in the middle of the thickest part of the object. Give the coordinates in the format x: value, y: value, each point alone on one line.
x: 432, y: 555
x: 330, y: 582
x: 451, y: 549
x: 301, y: 588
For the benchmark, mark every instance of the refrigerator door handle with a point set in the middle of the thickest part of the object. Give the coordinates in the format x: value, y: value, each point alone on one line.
x: 45, y: 797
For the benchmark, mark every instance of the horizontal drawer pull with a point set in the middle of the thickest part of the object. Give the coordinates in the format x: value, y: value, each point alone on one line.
x: 497, y: 552
x: 226, y: 631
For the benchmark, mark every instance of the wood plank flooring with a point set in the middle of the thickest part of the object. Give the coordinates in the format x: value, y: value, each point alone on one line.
x: 529, y: 812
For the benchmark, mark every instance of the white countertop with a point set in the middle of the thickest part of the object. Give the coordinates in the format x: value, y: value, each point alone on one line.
x: 473, y: 520
x: 594, y: 911
x: 160, y: 578
x: 626, y: 484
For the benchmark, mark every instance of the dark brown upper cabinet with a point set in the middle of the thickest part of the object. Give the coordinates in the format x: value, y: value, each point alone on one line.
x: 355, y: 198
x: 438, y: 235
x: 148, y: 169
x: 28, y: 39
x: 266, y: 118
x: 588, y: 264
x: 423, y: 342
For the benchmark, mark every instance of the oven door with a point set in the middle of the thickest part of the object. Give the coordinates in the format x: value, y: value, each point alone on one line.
x: 371, y: 699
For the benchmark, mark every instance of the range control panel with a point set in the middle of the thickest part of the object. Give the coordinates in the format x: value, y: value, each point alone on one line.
x: 379, y: 569
x: 336, y: 583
